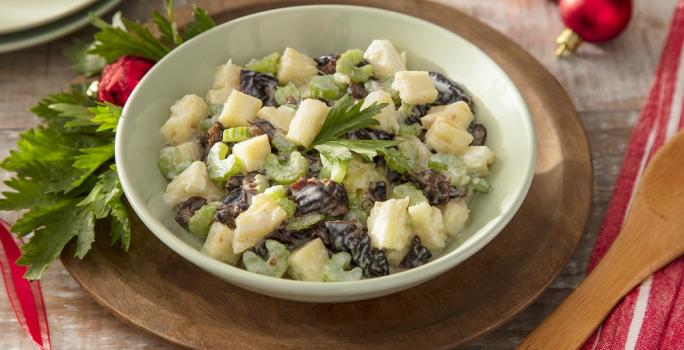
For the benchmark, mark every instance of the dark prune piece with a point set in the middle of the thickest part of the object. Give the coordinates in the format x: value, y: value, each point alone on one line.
x: 187, y: 208
x: 261, y: 127
x: 356, y: 91
x: 324, y: 196
x: 260, y: 250
x: 456, y: 193
x: 416, y: 256
x: 370, y: 134
x: 293, y: 239
x: 377, y: 191
x: 350, y: 236
x: 448, y: 91
x: 479, y: 133
x: 340, y: 231
x: 371, y: 260
x: 259, y: 85
x: 213, y: 135
x: 233, y: 204
x: 315, y: 164
x: 327, y: 64
x: 234, y: 182
x: 418, y: 112
x: 436, y: 187
x: 394, y: 176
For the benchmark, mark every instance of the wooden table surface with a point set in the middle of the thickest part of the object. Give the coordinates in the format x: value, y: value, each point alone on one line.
x: 607, y: 84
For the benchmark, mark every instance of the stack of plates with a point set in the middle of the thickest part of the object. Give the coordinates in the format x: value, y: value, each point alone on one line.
x: 25, y: 23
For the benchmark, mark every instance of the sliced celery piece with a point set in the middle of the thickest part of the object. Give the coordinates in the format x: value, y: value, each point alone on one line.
x: 200, y: 222
x: 267, y: 65
x: 276, y: 192
x: 479, y: 184
x: 288, y: 205
x: 274, y: 266
x: 288, y: 173
x: 347, y: 62
x: 262, y: 182
x: 280, y: 142
x: 356, y: 210
x: 283, y: 92
x: 336, y: 269
x: 325, y: 87
x: 299, y: 223
x: 412, y: 130
x: 236, y: 134
x: 414, y: 195
x: 451, y: 165
x: 218, y: 166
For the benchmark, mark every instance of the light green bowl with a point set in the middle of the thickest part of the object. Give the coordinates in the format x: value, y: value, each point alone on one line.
x: 317, y: 30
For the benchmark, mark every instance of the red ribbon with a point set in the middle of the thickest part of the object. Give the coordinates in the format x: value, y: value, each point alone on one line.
x: 25, y: 296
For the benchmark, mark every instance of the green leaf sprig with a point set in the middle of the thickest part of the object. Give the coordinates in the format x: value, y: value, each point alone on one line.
x: 345, y: 116
x: 65, y: 176
x: 135, y: 39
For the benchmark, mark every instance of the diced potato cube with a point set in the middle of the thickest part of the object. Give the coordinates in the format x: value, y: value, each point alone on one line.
x: 444, y: 136
x: 388, y: 224
x: 455, y: 214
x: 192, y: 182
x: 428, y: 224
x: 388, y: 115
x: 280, y: 117
x: 296, y: 67
x: 458, y: 112
x: 218, y: 96
x: 239, y: 109
x: 415, y: 87
x: 253, y: 152
x: 307, y: 263
x: 227, y: 75
x: 219, y: 244
x: 478, y: 159
x: 384, y: 58
x: 226, y: 78
x: 185, y: 114
x: 261, y: 218
x: 307, y: 121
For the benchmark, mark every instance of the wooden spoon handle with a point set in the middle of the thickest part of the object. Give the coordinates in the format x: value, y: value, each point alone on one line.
x: 633, y: 257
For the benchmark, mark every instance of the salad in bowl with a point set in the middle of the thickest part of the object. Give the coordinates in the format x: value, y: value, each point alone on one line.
x: 342, y: 167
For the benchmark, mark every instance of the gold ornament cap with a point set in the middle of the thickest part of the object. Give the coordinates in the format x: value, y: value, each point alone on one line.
x: 568, y: 41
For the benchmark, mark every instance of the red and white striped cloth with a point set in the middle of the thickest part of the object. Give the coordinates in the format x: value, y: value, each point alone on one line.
x: 652, y: 315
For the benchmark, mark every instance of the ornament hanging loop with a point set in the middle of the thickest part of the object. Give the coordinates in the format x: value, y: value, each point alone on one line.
x: 568, y: 41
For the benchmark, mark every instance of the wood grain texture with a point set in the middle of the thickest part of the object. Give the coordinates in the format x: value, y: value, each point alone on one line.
x: 607, y: 85
x: 651, y: 237
x: 473, y: 298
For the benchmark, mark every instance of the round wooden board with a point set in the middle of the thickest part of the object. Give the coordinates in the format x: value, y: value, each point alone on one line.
x: 157, y: 291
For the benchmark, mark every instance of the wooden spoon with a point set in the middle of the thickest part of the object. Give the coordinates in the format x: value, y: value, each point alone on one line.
x: 651, y: 237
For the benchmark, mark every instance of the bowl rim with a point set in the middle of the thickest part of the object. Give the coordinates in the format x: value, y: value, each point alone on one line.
x: 281, y: 286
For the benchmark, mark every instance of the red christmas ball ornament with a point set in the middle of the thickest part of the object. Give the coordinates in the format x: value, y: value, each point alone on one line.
x: 592, y: 21
x: 119, y: 78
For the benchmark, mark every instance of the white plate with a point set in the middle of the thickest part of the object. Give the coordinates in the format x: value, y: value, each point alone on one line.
x: 16, y: 15
x: 56, y: 29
